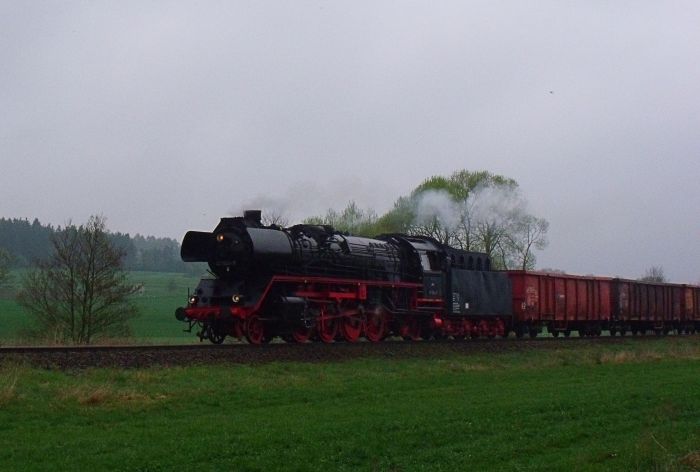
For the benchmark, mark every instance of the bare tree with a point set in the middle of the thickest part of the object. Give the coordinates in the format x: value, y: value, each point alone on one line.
x: 434, y: 228
x: 274, y: 216
x: 466, y: 230
x: 654, y: 274
x: 80, y: 293
x: 528, y: 233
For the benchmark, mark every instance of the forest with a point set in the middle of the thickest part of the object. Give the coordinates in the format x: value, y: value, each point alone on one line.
x: 26, y: 242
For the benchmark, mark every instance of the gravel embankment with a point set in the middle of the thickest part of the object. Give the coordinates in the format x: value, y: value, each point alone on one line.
x: 147, y: 356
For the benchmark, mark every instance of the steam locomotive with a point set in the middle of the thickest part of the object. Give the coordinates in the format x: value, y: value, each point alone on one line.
x: 310, y: 282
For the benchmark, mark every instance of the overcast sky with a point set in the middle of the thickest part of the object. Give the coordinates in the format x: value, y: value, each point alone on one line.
x: 165, y: 116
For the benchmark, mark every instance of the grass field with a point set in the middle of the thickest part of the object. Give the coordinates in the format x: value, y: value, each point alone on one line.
x: 162, y: 294
x: 634, y: 406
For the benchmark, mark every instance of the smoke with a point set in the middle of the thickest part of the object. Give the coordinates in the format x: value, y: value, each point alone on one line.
x: 437, y: 205
x: 484, y: 204
x: 489, y: 203
x: 305, y: 199
x: 275, y: 206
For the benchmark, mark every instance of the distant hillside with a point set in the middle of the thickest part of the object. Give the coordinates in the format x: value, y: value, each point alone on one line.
x: 27, y: 242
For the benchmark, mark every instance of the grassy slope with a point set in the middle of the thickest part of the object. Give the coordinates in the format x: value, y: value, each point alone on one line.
x: 630, y: 407
x: 163, y: 294
x: 12, y: 319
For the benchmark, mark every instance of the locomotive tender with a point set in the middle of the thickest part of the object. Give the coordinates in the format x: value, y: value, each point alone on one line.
x: 310, y: 282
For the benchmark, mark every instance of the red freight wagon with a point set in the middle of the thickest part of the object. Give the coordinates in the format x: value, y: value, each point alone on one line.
x: 690, y: 312
x: 561, y: 303
x: 642, y: 306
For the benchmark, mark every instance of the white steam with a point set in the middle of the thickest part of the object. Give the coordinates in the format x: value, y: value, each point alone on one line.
x: 437, y: 205
x: 483, y: 205
x: 495, y: 202
x: 306, y: 199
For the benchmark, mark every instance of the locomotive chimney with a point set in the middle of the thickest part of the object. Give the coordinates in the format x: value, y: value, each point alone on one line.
x: 253, y: 215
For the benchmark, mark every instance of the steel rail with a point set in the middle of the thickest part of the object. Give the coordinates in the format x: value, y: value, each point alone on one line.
x: 69, y: 357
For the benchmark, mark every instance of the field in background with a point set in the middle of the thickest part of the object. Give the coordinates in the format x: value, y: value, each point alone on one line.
x: 162, y: 293
x: 633, y: 406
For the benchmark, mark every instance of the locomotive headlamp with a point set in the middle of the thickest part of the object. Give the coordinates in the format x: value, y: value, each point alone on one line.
x: 193, y: 300
x: 236, y: 298
x: 220, y: 237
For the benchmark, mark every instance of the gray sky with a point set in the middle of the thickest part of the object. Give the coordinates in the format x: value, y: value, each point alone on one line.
x: 165, y: 116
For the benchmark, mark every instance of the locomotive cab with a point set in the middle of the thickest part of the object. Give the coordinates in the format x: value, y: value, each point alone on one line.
x: 424, y: 261
x: 433, y: 275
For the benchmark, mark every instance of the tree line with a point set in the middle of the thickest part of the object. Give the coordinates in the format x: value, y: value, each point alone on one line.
x: 22, y: 243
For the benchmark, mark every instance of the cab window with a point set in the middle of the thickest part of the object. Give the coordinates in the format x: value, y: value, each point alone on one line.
x: 429, y: 260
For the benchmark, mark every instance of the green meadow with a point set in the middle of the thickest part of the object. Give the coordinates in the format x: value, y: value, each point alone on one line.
x: 162, y: 293
x: 633, y: 406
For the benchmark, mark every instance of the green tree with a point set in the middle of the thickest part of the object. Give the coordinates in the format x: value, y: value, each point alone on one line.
x: 5, y: 262
x: 24, y: 240
x: 475, y: 211
x: 396, y: 220
x: 79, y: 293
x: 352, y: 219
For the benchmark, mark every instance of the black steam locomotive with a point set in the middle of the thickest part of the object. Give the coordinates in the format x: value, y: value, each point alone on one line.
x: 310, y: 282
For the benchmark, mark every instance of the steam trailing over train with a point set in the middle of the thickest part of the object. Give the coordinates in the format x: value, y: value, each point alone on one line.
x: 310, y: 282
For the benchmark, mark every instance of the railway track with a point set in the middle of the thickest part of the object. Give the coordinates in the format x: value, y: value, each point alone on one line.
x: 136, y: 356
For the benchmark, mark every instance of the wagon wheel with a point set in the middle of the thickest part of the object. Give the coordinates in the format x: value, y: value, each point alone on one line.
x: 351, y: 328
x: 412, y: 329
x: 254, y: 330
x: 485, y: 329
x: 375, y: 325
x: 302, y: 334
x: 460, y: 330
x: 415, y: 332
x: 214, y: 335
x: 326, y: 326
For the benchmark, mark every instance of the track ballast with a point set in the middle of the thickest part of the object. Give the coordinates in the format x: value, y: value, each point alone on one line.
x: 143, y: 356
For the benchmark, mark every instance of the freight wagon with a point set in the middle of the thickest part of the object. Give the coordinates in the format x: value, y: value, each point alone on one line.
x: 590, y: 305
